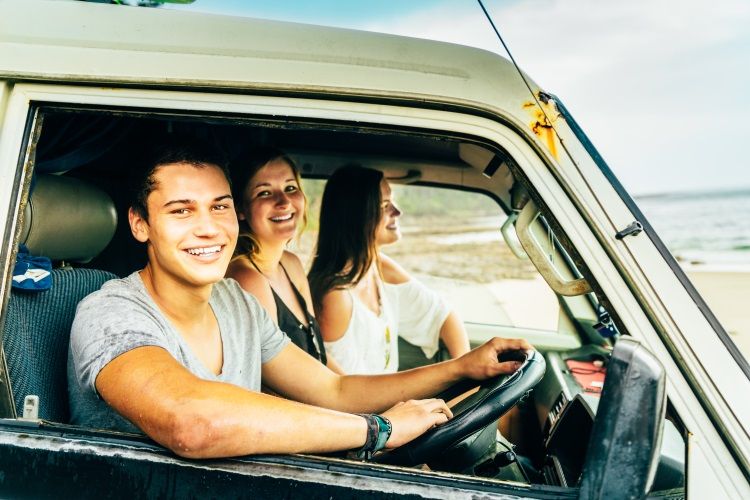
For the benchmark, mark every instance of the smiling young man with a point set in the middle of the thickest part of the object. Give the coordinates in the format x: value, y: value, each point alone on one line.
x: 177, y: 352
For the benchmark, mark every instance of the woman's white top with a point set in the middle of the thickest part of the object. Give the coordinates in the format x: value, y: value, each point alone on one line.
x: 421, y: 313
x: 370, y: 343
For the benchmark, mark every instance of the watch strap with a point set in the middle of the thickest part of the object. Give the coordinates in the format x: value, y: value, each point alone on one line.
x: 379, y: 430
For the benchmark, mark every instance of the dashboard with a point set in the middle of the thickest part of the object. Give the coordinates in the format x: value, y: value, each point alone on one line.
x: 566, y: 403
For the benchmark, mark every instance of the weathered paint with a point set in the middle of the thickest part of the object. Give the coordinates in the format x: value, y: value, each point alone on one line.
x: 541, y: 124
x: 96, y: 465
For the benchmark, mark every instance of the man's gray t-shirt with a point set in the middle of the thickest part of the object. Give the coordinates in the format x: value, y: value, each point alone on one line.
x: 122, y: 316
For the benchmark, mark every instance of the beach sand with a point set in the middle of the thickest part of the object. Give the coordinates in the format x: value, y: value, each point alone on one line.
x: 727, y: 293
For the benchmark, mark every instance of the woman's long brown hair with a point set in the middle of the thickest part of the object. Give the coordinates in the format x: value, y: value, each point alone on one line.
x: 350, y: 212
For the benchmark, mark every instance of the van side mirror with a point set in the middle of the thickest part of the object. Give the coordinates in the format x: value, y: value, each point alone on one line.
x: 625, y: 442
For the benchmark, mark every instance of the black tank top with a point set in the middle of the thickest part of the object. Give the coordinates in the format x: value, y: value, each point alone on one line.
x: 306, y: 337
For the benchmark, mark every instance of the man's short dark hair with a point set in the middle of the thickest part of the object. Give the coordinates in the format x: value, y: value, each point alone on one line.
x: 190, y: 150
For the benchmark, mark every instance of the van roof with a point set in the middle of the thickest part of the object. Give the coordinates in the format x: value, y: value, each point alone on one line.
x: 67, y: 41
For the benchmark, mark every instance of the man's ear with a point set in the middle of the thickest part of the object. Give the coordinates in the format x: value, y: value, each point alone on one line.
x: 138, y: 225
x: 240, y: 215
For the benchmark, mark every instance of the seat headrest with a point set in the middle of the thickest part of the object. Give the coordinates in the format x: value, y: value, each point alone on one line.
x: 68, y: 219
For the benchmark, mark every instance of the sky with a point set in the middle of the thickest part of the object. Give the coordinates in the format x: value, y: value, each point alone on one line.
x: 661, y: 87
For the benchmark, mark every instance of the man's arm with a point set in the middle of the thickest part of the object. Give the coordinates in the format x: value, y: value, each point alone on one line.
x: 200, y: 419
x: 312, y: 383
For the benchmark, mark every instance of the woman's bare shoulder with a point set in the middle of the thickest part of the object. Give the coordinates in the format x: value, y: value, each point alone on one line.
x: 393, y: 273
x: 252, y: 281
x: 293, y: 265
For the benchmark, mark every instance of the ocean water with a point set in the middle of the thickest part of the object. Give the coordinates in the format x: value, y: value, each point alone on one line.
x: 711, y: 229
x: 702, y: 227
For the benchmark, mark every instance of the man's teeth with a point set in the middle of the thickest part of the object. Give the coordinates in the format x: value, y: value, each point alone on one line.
x: 204, y: 250
x: 282, y: 218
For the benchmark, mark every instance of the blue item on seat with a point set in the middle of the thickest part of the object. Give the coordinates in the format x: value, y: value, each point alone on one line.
x: 31, y: 272
x: 36, y: 337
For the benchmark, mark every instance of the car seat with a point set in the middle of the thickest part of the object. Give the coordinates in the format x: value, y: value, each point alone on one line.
x: 68, y: 221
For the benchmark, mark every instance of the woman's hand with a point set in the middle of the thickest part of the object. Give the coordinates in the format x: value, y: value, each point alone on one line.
x: 411, y: 419
x: 485, y: 361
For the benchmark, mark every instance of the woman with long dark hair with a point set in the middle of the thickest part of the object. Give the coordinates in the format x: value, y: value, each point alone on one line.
x: 271, y: 208
x: 365, y: 300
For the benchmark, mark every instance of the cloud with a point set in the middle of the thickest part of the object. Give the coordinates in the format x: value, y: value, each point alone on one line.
x: 583, y: 35
x: 654, y: 83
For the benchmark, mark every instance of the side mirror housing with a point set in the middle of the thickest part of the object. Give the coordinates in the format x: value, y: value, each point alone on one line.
x: 625, y: 442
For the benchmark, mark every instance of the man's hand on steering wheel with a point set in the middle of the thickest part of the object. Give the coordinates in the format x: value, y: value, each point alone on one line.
x: 496, y: 395
x: 412, y: 418
x: 488, y: 360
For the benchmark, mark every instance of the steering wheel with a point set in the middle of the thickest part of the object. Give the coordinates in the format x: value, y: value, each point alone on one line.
x: 495, y: 397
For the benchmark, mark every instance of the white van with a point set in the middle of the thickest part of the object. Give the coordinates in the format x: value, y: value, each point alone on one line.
x: 84, y: 87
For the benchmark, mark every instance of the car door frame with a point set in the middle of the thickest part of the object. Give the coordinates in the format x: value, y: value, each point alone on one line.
x: 576, y: 192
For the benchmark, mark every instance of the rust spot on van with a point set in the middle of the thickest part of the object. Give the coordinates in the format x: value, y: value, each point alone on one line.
x: 541, y: 126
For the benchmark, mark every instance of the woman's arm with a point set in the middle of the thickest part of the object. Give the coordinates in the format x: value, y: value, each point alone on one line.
x: 454, y: 336
x: 335, y: 314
